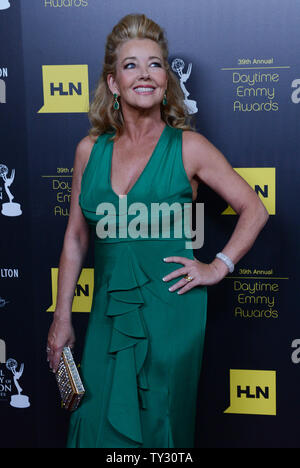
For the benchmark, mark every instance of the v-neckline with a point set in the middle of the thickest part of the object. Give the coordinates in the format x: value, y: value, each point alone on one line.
x: 141, y: 174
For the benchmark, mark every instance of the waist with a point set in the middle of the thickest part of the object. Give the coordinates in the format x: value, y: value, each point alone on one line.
x: 149, y: 255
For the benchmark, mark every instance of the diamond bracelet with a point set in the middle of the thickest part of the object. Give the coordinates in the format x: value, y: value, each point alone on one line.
x: 226, y: 260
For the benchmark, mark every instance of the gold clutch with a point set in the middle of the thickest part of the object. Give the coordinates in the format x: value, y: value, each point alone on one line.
x: 69, y: 381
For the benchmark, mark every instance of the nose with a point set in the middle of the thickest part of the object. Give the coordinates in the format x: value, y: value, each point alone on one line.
x: 145, y: 74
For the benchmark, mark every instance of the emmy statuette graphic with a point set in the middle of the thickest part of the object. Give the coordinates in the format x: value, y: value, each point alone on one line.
x: 178, y: 66
x: 4, y: 4
x: 11, y: 208
x: 17, y: 401
x: 3, y: 302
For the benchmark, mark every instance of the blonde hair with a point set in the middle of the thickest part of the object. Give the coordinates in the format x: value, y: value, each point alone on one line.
x: 103, y: 117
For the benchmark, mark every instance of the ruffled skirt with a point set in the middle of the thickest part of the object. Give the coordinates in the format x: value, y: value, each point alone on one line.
x: 143, y: 351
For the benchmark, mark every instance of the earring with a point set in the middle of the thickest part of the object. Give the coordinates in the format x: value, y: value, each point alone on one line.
x: 165, y: 101
x: 116, y: 102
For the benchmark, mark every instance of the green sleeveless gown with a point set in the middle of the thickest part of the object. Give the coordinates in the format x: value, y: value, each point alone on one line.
x: 143, y: 347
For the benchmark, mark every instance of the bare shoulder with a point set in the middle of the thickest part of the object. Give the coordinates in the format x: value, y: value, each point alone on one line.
x: 83, y: 151
x: 194, y: 142
x: 191, y: 138
x: 195, y: 150
x: 199, y: 150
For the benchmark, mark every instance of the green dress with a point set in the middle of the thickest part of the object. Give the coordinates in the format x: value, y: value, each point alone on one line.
x: 143, y: 347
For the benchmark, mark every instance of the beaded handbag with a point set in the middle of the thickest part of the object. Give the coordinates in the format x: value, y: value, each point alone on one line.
x: 69, y: 381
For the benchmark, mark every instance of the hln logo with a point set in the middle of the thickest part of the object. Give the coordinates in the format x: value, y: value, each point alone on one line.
x: 258, y: 392
x: 252, y: 392
x: 83, y: 293
x: 262, y: 180
x: 66, y: 89
x: 59, y: 89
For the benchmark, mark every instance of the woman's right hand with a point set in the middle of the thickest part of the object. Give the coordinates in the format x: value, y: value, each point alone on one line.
x: 61, y: 334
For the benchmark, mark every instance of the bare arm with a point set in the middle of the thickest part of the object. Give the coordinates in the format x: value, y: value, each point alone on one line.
x: 207, y: 163
x: 75, y: 247
x: 214, y: 169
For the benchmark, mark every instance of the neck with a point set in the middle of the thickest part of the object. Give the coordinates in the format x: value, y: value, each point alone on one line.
x: 140, y: 124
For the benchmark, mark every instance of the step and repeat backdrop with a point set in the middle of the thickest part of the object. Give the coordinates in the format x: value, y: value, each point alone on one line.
x: 238, y: 64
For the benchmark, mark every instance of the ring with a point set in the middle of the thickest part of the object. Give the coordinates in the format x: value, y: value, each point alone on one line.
x: 188, y: 278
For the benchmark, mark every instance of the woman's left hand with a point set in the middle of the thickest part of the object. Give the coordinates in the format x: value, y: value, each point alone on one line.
x: 203, y: 274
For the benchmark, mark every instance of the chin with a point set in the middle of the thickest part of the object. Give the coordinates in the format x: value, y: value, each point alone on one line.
x: 145, y: 105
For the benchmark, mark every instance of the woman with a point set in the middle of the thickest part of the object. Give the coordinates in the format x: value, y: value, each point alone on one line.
x: 144, y: 344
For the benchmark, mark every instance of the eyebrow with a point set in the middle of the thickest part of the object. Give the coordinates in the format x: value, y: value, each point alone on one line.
x: 134, y: 58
